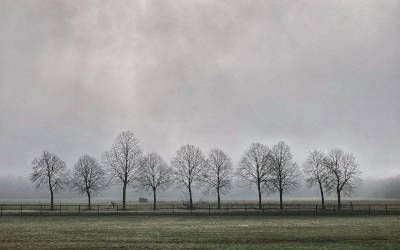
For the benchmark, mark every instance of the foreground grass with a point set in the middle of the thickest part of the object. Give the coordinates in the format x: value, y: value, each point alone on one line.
x: 200, y: 232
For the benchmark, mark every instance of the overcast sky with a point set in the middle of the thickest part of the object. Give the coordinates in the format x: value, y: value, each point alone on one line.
x: 316, y: 74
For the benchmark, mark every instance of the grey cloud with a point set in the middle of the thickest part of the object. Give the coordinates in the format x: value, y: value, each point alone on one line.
x: 215, y: 73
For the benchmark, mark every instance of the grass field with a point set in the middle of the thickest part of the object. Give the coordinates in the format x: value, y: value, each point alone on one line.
x: 200, y: 232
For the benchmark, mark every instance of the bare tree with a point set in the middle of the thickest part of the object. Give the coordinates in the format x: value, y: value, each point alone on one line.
x: 123, y: 160
x: 284, y: 173
x: 218, y: 173
x: 88, y: 177
x: 316, y: 172
x: 49, y: 170
x: 154, y: 174
x: 254, y: 167
x: 343, y: 172
x: 189, y: 164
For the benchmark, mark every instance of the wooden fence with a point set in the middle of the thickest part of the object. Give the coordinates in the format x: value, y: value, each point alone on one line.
x: 306, y: 209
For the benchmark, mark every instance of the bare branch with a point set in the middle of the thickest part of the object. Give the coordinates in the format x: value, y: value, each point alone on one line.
x: 344, y: 172
x: 88, y: 177
x: 188, y: 166
x: 254, y: 167
x: 284, y: 173
x: 218, y: 173
x: 123, y: 159
x: 49, y: 170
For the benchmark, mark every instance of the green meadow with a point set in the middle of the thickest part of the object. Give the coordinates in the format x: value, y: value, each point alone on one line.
x: 200, y: 232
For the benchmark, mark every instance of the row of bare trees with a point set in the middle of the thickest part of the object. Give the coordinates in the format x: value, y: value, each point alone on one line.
x: 336, y: 172
x: 269, y: 169
x: 273, y: 170
x: 88, y: 176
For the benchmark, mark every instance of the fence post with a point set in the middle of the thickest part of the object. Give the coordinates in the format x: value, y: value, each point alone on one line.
x: 79, y: 209
x: 209, y: 209
x: 21, y: 209
x: 173, y: 209
x: 316, y: 210
x: 60, y: 208
x: 1, y: 210
x: 117, y: 209
x: 98, y: 210
x: 263, y: 208
x: 386, y: 209
x: 369, y: 209
x: 40, y: 211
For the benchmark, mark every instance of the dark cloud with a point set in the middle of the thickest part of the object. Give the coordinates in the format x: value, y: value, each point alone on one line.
x: 317, y: 74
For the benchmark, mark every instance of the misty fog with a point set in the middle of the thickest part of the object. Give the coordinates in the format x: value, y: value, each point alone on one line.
x: 318, y: 75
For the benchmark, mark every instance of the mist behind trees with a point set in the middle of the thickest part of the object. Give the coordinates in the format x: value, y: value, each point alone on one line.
x: 21, y: 189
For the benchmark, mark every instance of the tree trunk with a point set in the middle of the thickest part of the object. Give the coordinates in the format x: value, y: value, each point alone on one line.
x: 280, y: 199
x: 154, y: 199
x: 339, y: 205
x: 190, y: 197
x: 219, y: 198
x: 51, y: 199
x: 259, y: 194
x: 89, y: 204
x: 322, y: 196
x: 124, y: 196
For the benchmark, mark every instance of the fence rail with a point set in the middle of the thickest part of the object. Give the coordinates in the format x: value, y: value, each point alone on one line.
x: 198, y: 209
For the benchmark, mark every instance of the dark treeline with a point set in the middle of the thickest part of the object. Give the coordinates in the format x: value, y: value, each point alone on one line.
x: 266, y: 169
